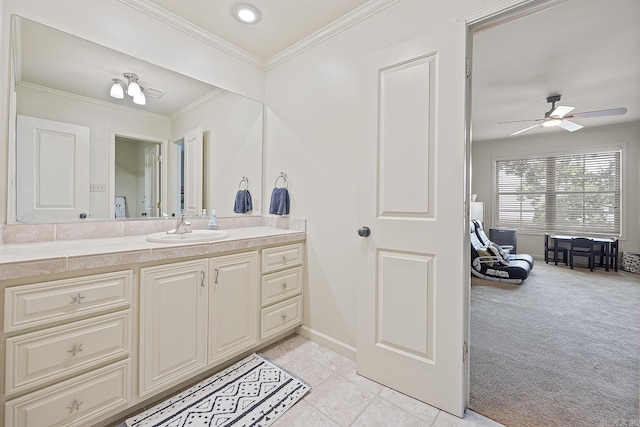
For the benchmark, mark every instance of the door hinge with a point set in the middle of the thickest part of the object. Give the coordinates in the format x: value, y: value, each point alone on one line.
x: 158, y: 205
x: 467, y: 67
x: 465, y: 351
x: 159, y: 157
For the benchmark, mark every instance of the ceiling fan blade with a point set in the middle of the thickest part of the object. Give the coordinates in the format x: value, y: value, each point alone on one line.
x: 561, y: 110
x: 521, y: 121
x: 525, y: 129
x: 599, y: 113
x: 570, y: 126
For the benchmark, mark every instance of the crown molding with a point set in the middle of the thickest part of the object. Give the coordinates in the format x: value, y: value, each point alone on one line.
x: 339, y: 25
x: 214, y: 94
x: 352, y: 18
x: 92, y: 100
x: 181, y: 24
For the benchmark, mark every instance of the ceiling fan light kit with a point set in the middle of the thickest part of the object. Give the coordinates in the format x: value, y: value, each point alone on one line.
x: 559, y: 116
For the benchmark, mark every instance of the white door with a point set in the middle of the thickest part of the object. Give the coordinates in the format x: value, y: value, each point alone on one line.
x: 411, y: 322
x: 152, y: 180
x: 193, y: 160
x: 53, y: 170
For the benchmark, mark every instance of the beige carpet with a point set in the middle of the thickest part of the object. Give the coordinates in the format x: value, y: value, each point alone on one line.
x: 560, y: 350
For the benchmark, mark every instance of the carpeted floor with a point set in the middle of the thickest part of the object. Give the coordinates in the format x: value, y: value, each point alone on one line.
x: 560, y: 350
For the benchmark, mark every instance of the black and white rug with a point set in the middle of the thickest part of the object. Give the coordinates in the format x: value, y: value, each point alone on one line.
x: 252, y: 392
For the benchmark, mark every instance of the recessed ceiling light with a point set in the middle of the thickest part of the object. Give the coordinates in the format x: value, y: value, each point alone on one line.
x: 246, y: 14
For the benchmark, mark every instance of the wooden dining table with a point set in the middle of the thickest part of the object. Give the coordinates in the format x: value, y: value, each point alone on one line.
x: 604, y: 241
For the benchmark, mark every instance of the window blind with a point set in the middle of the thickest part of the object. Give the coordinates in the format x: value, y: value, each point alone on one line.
x: 570, y: 193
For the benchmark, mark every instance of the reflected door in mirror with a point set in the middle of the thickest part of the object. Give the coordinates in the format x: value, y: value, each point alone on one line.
x: 53, y: 170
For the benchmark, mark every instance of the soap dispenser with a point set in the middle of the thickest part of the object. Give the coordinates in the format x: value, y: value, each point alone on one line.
x: 213, y: 221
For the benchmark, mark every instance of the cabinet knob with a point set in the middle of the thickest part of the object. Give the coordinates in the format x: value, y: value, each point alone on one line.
x: 284, y: 258
x: 75, y: 406
x: 77, y: 299
x: 284, y: 286
x: 77, y: 348
x: 284, y: 317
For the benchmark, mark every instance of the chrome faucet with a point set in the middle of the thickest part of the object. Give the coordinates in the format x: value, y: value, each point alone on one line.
x: 181, y: 226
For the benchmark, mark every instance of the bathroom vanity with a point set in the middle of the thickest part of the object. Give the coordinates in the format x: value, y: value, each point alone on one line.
x: 93, y: 327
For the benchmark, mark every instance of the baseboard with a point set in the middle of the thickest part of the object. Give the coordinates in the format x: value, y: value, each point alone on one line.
x: 327, y: 341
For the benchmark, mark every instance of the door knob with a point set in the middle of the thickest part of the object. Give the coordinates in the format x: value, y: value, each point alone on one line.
x: 364, y: 231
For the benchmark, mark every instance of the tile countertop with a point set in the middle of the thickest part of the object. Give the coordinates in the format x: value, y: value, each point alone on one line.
x: 34, y: 259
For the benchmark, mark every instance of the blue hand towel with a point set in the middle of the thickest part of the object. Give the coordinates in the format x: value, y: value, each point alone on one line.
x: 243, y: 203
x: 279, y: 201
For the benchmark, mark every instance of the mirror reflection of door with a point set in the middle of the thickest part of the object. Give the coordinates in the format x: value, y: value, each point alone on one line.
x: 188, y: 167
x: 53, y: 170
x: 137, y: 176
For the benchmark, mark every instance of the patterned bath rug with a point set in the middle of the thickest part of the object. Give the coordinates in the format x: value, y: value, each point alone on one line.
x: 252, y: 392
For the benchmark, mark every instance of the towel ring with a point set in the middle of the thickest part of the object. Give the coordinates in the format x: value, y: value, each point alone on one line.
x: 285, y: 184
x: 246, y: 183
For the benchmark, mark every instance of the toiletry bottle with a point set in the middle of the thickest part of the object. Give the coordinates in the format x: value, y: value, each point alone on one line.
x: 213, y: 221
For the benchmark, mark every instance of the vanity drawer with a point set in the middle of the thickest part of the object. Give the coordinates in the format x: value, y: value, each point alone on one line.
x: 74, y: 402
x: 51, y: 354
x: 41, y: 303
x: 280, y: 257
x: 280, y: 286
x: 280, y: 317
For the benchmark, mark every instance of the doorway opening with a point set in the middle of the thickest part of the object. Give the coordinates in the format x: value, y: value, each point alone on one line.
x: 138, y: 178
x: 515, y: 397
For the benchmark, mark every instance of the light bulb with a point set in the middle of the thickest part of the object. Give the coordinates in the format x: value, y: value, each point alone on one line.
x: 551, y: 123
x: 116, y: 90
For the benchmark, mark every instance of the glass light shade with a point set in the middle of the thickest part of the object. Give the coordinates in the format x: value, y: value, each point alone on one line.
x: 116, y: 90
x: 551, y: 123
x: 133, y: 89
x: 140, y: 99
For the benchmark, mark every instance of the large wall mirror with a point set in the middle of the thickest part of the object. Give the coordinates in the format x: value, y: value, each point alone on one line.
x: 82, y: 154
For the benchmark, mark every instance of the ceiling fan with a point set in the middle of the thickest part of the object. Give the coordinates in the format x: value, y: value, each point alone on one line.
x: 559, y: 116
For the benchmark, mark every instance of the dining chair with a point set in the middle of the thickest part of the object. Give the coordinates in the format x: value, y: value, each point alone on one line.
x: 582, y: 246
x: 551, y: 250
x: 613, y: 254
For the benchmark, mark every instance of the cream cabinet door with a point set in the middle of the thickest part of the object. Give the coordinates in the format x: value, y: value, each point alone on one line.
x: 233, y: 305
x: 173, y: 323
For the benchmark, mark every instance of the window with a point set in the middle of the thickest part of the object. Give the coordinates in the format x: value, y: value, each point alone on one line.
x: 569, y: 193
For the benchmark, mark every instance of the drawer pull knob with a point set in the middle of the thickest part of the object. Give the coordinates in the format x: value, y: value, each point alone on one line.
x: 284, y: 258
x: 284, y: 317
x: 75, y: 406
x: 284, y: 286
x: 77, y: 299
x: 77, y: 348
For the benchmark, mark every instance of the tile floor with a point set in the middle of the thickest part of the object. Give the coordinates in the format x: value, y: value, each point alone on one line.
x: 340, y: 397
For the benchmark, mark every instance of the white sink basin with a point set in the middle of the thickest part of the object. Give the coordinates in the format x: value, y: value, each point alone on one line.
x: 191, y: 237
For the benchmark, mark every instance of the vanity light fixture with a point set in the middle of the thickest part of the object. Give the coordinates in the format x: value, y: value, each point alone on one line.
x: 132, y: 88
x: 246, y: 13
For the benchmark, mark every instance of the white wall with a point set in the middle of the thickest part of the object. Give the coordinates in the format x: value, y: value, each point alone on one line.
x: 232, y: 128
x: 556, y: 141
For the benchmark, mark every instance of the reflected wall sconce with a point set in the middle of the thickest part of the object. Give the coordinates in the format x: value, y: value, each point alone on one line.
x: 131, y: 87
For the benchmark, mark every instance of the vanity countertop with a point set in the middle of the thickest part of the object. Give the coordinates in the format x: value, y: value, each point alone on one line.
x: 34, y: 259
